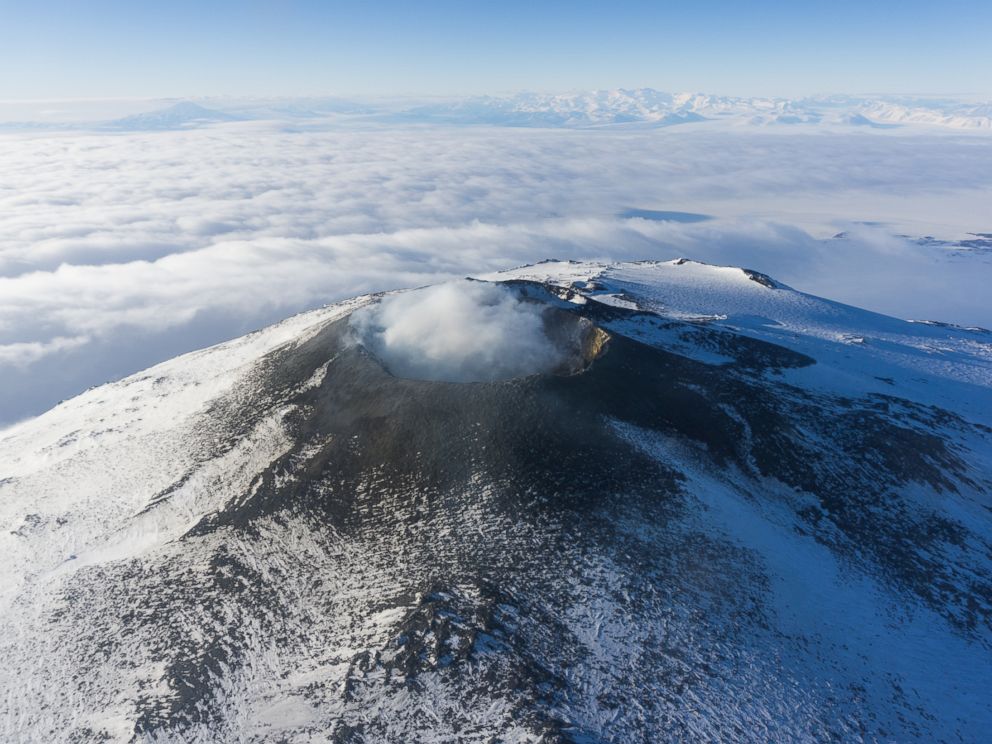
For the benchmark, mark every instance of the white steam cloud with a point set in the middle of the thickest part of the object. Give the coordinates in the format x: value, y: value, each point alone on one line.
x: 461, y: 331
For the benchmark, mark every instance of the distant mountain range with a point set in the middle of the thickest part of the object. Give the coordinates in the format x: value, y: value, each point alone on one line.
x: 648, y: 106
x: 641, y: 107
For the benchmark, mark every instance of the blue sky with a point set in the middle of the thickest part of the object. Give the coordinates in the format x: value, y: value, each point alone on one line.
x: 108, y: 48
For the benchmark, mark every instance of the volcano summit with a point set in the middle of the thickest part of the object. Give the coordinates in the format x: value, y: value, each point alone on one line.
x: 568, y: 503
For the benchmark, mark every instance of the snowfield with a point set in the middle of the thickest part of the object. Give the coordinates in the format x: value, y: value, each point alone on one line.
x: 756, y: 515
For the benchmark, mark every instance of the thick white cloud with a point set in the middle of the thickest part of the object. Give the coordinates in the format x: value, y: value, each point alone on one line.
x: 118, y: 250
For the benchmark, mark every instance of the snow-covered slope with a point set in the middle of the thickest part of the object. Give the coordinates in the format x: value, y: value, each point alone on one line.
x: 756, y: 515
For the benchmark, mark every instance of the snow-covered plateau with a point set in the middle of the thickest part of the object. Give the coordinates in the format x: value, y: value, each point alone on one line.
x: 722, y: 510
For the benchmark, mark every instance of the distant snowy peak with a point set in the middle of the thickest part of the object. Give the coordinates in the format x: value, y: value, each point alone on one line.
x: 182, y: 115
x: 958, y: 117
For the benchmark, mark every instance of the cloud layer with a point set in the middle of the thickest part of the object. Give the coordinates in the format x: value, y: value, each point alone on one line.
x: 118, y: 250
